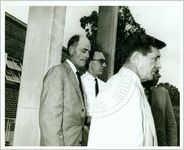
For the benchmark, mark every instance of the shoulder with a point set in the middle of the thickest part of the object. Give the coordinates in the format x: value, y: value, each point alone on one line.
x: 55, y: 71
x: 121, y: 81
x: 58, y: 68
x: 113, y: 79
x: 159, y: 89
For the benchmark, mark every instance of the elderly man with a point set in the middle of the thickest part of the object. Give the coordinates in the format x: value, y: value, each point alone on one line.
x: 91, y: 83
x: 62, y: 106
x: 122, y: 116
x: 163, y: 113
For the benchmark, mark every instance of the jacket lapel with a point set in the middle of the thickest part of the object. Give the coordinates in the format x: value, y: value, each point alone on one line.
x: 74, y: 81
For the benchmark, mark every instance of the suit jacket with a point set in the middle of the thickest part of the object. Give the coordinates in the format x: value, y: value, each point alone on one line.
x: 62, y: 109
x: 122, y: 116
x: 163, y: 114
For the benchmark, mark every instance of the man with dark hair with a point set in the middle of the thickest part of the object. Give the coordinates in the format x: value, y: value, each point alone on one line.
x: 91, y: 83
x: 122, y: 116
x: 62, y: 105
x: 163, y: 113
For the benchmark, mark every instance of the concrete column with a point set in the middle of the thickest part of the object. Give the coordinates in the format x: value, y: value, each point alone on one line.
x: 106, y: 36
x: 42, y: 50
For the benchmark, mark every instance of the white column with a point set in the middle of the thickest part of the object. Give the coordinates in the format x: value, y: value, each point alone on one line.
x: 42, y: 50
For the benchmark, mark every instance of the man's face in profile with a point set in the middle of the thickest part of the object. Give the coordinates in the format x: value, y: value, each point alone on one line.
x: 80, y: 52
x: 149, y: 64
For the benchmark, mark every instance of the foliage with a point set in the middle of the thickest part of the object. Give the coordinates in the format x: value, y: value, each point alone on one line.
x: 128, y: 33
x: 89, y: 24
x: 173, y: 93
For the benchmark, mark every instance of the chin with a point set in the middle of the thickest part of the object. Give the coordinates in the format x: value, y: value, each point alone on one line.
x: 100, y: 72
x: 147, y: 79
x: 83, y: 64
x: 150, y: 78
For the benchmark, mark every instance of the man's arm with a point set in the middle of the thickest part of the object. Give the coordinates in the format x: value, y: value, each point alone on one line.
x: 51, y: 109
x: 171, y: 126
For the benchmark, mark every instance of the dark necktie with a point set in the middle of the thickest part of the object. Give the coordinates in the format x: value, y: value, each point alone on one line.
x: 96, y: 86
x: 80, y: 83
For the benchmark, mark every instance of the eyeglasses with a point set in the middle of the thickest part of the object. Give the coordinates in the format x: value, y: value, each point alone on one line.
x: 102, y: 61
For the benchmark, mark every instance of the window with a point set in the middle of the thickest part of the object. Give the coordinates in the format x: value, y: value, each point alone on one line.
x: 12, y: 76
x: 13, y: 64
x: 13, y: 69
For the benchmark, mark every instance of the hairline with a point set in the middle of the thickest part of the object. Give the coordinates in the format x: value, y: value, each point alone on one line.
x: 144, y: 53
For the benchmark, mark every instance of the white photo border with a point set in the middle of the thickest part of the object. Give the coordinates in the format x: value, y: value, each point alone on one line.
x: 81, y: 3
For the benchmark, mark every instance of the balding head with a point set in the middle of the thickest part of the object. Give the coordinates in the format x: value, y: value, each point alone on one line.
x: 78, y: 49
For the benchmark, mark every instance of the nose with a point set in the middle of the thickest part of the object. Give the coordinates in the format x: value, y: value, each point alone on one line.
x: 87, y: 54
x: 104, y: 64
x: 158, y: 65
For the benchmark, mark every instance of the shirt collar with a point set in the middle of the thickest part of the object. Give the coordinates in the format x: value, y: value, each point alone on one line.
x: 71, y: 65
x: 90, y: 76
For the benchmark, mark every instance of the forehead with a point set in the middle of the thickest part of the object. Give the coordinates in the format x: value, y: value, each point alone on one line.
x: 98, y: 55
x: 154, y: 52
x: 84, y: 43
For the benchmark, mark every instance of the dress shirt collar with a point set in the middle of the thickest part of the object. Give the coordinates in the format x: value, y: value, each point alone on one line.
x: 71, y: 65
x: 91, y: 77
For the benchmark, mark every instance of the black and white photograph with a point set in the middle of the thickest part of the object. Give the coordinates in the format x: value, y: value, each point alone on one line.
x: 91, y: 74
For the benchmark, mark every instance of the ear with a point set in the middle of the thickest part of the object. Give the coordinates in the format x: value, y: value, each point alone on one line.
x: 136, y: 57
x: 71, y: 50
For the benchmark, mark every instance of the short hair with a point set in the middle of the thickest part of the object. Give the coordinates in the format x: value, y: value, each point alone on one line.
x: 141, y: 43
x: 97, y: 48
x: 73, y: 40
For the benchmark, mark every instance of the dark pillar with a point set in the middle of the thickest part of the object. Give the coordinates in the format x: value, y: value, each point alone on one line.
x: 106, y: 36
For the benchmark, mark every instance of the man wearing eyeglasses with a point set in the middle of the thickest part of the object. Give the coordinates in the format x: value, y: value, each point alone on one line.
x: 91, y: 83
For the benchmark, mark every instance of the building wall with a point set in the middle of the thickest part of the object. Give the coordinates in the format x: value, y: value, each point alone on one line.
x: 11, y: 99
x: 15, y: 32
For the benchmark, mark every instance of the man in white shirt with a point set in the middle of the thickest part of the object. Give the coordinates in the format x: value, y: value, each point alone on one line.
x: 91, y: 83
x: 122, y: 116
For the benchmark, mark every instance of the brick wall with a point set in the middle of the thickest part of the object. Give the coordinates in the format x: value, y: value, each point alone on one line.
x: 11, y: 100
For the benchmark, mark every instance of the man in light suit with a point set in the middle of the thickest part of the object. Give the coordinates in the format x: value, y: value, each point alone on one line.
x: 163, y: 113
x: 122, y: 116
x: 62, y: 106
